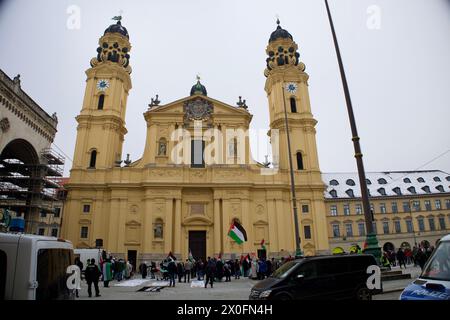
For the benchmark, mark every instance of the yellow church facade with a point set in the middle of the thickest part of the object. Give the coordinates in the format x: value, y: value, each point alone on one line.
x: 196, y: 174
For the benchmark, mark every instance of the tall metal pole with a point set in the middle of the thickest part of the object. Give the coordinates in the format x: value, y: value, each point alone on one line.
x: 371, y: 239
x: 298, y: 250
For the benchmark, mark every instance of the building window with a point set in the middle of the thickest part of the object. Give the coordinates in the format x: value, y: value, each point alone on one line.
x: 394, y: 207
x: 197, y: 153
x: 406, y: 207
x: 86, y: 208
x: 440, y: 188
x: 101, y: 102
x: 382, y: 181
x: 305, y: 208
x: 93, y: 159
x: 412, y: 190
x: 43, y: 214
x: 41, y: 231
x: 84, y: 232
x: 361, y: 229
x: 397, y: 226
x: 416, y: 205
x: 333, y: 193
x: 333, y: 210
x: 385, y: 227
x: 334, y: 183
x: 382, y: 207
x: 374, y: 227
x: 437, y: 179
x: 293, y: 105
x: 420, y: 179
x: 350, y: 193
x: 407, y: 180
x: 300, y: 161
x: 421, y: 224
x: 358, y: 208
x: 336, y: 232
x: 346, y: 209
x: 349, y: 230
x: 442, y: 223
x: 397, y: 191
x: 428, y: 205
x: 431, y: 223
x: 368, y: 181
x: 55, y: 233
x: 437, y: 204
x: 57, y: 213
x: 426, y: 189
x: 307, y: 230
x: 447, y: 203
x: 409, y: 226
x: 350, y: 182
x: 382, y: 191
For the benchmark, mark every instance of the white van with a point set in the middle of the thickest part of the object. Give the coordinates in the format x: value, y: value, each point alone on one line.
x: 86, y: 254
x: 34, y: 267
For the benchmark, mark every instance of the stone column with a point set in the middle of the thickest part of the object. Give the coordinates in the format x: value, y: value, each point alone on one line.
x: 168, y: 227
x: 273, y: 233
x: 282, y: 236
x: 247, y: 224
x: 217, y: 231
x: 177, y: 227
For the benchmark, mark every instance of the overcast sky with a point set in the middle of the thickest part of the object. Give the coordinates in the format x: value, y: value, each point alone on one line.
x: 396, y: 56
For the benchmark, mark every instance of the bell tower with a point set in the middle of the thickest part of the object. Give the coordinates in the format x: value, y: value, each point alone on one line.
x: 101, y: 122
x: 287, y: 87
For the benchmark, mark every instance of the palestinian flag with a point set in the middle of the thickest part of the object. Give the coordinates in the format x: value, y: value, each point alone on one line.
x: 237, y: 233
x: 191, y: 257
x: 262, y: 244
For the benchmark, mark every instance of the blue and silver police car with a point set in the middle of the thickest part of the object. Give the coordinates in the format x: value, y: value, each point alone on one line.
x: 434, y: 281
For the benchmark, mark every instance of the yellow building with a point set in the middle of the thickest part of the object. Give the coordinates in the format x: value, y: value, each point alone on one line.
x: 409, y: 207
x: 173, y: 198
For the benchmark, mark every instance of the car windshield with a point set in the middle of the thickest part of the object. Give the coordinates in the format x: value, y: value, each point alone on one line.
x: 438, y: 267
x: 284, y: 270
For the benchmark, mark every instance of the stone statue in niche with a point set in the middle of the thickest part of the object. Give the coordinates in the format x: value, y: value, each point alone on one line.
x: 158, y: 230
x: 162, y: 148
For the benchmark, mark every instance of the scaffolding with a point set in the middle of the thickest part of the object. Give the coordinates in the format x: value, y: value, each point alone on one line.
x: 31, y: 189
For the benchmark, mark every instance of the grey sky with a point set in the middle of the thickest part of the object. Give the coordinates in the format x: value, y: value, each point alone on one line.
x: 398, y: 74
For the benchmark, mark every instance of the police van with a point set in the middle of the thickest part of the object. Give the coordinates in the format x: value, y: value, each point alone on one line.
x: 434, y: 281
x: 34, y: 267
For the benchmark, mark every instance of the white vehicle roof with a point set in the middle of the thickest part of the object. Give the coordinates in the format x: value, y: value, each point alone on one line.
x: 4, y: 237
x: 446, y: 238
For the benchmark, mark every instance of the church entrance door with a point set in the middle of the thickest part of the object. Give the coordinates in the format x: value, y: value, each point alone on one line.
x: 197, y: 244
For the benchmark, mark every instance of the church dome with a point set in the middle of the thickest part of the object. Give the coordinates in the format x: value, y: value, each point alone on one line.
x: 198, y: 88
x: 117, y: 28
x: 280, y: 33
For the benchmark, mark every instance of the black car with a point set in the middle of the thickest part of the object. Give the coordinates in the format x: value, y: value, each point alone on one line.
x: 319, y: 277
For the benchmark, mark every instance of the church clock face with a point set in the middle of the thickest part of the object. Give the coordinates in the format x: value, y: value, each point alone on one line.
x: 291, y: 87
x: 102, y: 84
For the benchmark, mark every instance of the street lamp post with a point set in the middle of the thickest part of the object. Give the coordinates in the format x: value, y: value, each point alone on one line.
x: 411, y: 202
x: 371, y: 238
x: 298, y: 250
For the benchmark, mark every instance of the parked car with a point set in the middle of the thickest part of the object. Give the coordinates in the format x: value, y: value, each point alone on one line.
x: 434, y: 281
x: 34, y: 267
x: 319, y: 277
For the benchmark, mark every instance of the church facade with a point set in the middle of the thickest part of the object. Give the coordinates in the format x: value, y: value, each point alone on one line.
x: 196, y: 174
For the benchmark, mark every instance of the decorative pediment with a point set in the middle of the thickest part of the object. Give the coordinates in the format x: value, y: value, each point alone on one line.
x: 133, y: 223
x: 197, y: 220
x: 260, y: 223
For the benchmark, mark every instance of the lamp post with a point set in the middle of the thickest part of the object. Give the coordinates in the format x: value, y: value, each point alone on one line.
x: 371, y: 238
x: 411, y: 202
x: 298, y: 250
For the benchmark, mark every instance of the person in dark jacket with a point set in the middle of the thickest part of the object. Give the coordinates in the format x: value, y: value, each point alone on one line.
x: 143, y: 269
x: 92, y: 274
x: 210, y: 272
x: 172, y: 270
x: 401, y: 258
x: 219, y: 270
x: 237, y: 269
x: 180, y: 271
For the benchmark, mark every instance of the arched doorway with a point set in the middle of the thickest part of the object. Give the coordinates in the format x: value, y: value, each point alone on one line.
x: 388, y: 246
x: 19, y: 162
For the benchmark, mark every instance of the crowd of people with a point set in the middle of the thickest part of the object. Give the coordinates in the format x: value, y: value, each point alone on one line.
x: 212, y: 270
x: 402, y: 257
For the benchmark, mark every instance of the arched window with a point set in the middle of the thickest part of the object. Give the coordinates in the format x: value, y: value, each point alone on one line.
x: 437, y: 179
x: 382, y: 181
x: 101, y: 101
x: 293, y: 105
x: 350, y: 182
x: 93, y: 159
x: 407, y: 180
x: 420, y: 179
x: 300, y: 161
